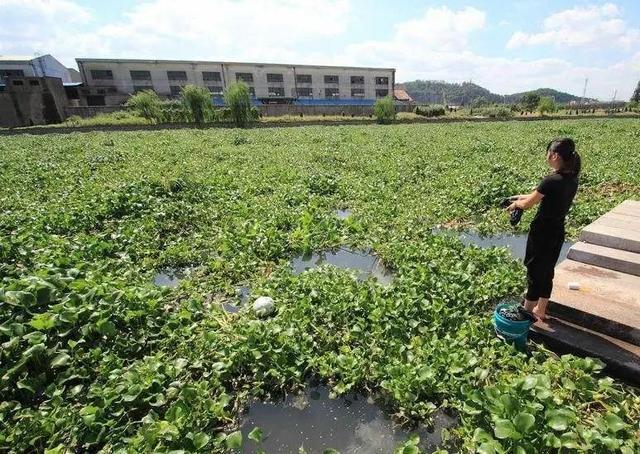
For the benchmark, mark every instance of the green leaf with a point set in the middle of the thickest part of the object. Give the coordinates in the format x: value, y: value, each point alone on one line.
x: 524, y: 421
x: 234, y: 440
x: 105, y: 327
x: 330, y: 451
x: 200, y: 440
x: 560, y: 419
x: 614, y: 422
x: 255, y: 435
x: 530, y: 382
x: 61, y: 359
x: 43, y: 322
x: 504, y: 429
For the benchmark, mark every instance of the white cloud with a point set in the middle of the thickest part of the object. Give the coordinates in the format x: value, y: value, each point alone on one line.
x: 448, y: 57
x: 582, y: 26
x: 30, y: 24
x: 188, y: 29
x: 435, y: 44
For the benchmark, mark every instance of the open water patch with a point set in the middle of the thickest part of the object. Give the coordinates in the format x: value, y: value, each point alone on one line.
x: 516, y: 244
x: 364, y: 263
x: 170, y: 277
x: 242, y: 298
x: 350, y: 424
x: 343, y: 213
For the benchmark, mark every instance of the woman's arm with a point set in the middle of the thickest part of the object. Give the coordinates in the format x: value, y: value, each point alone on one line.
x: 526, y: 201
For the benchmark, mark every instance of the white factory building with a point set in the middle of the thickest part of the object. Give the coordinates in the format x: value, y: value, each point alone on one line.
x: 39, y: 66
x: 111, y: 81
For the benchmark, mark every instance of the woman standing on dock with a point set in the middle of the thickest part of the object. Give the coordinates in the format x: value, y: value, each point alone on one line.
x: 555, y: 194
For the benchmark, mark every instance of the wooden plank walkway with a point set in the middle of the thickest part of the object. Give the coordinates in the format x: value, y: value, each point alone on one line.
x: 602, y: 317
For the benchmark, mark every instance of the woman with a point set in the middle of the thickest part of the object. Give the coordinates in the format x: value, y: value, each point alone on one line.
x: 555, y: 194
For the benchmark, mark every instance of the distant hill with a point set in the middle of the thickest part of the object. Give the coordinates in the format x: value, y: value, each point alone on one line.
x: 434, y: 91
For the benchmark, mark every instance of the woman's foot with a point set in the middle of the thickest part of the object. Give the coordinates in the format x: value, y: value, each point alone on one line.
x: 540, y: 314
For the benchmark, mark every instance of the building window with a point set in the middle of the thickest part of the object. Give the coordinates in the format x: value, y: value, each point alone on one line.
x: 331, y: 79
x: 252, y: 92
x: 213, y: 76
x: 101, y: 74
x: 275, y: 78
x: 357, y: 80
x: 357, y: 92
x: 18, y: 82
x: 140, y: 75
x: 177, y: 75
x: 331, y: 92
x: 34, y: 83
x: 138, y: 88
x: 216, y: 90
x: 381, y: 93
x: 275, y: 92
x: 244, y: 77
x: 382, y: 81
x: 175, y: 90
x: 4, y: 73
x: 303, y: 78
x: 305, y: 92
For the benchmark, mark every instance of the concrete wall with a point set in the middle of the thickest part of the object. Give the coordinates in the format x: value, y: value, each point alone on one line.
x: 270, y: 110
x: 9, y: 117
x: 121, y: 82
x: 29, y: 101
x: 90, y: 111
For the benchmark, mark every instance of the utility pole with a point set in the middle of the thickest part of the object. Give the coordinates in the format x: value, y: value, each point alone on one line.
x: 584, y: 91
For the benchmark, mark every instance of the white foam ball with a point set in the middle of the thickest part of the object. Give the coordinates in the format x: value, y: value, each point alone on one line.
x: 264, y: 306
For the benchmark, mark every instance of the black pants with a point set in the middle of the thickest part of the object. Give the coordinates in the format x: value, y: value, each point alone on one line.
x: 543, y: 249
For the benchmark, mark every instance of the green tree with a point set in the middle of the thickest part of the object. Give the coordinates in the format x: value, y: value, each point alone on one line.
x: 480, y: 101
x: 146, y: 104
x: 238, y: 101
x: 197, y: 101
x: 546, y: 105
x: 530, y: 101
x: 384, y: 110
x: 636, y: 93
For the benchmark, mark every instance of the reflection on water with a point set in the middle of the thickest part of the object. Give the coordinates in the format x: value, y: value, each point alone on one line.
x: 242, y: 294
x: 169, y: 277
x: 350, y: 424
x: 517, y: 244
x: 343, y: 213
x: 365, y: 263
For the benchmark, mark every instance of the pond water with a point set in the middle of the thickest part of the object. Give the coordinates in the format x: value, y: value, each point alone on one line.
x: 516, y: 244
x: 242, y: 294
x: 169, y: 277
x: 343, y: 213
x: 365, y: 263
x: 351, y: 424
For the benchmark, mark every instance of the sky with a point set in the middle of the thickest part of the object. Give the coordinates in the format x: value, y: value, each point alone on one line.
x: 505, y: 46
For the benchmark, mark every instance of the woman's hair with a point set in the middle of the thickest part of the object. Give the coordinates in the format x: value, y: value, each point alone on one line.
x: 566, y: 148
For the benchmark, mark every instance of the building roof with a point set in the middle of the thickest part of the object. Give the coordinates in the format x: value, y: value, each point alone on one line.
x: 402, y: 95
x: 16, y: 58
x: 150, y: 61
x: 21, y: 58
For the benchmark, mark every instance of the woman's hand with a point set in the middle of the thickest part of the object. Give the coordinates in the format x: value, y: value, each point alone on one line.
x: 513, y: 206
x: 525, y: 201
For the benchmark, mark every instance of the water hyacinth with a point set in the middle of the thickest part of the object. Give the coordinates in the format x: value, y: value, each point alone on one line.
x: 95, y: 356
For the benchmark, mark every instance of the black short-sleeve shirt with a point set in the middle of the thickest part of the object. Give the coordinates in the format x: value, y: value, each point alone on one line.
x: 558, y: 189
